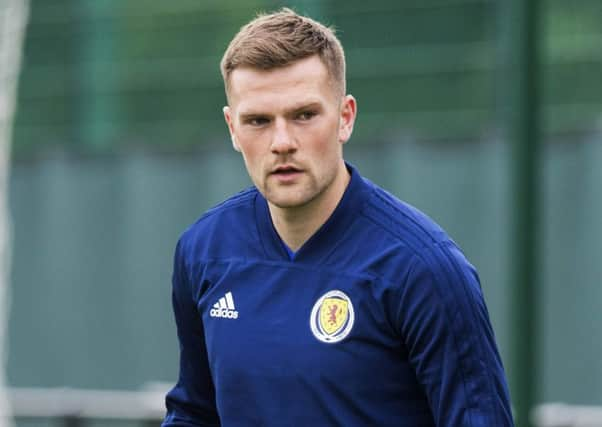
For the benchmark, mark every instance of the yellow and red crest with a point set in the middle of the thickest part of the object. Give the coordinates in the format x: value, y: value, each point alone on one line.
x: 333, y: 314
x: 332, y: 317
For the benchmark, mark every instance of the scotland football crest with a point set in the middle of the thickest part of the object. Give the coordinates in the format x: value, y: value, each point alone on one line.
x: 332, y: 317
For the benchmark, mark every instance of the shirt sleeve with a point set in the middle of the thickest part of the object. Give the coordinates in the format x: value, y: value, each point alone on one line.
x: 192, y: 401
x: 445, y: 325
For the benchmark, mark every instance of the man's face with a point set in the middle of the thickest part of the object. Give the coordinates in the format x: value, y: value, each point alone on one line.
x: 290, y: 123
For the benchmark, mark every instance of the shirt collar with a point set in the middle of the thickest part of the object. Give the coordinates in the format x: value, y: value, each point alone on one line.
x: 318, y: 247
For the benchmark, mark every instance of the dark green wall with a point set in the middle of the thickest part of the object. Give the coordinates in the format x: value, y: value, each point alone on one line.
x: 103, y: 75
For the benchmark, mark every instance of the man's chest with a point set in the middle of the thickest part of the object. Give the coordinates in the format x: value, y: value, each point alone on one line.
x: 285, y: 340
x: 274, y: 319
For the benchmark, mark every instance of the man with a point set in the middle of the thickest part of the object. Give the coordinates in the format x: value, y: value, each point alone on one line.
x: 316, y: 298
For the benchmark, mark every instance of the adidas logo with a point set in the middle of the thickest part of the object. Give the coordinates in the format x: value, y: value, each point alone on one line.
x: 224, y: 308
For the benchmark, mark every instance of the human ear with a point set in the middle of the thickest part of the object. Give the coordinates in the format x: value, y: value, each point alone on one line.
x: 347, y: 118
x: 229, y: 122
x: 234, y: 143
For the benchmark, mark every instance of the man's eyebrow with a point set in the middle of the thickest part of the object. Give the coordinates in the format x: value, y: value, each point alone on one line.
x: 251, y: 115
x: 289, y: 111
x: 305, y: 106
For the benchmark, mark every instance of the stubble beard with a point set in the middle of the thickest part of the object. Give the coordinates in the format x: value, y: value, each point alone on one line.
x: 298, y: 195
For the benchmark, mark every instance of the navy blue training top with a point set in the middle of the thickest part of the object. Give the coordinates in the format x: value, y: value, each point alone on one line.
x: 378, y: 320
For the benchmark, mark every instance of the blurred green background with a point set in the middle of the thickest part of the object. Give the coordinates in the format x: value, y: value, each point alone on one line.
x: 119, y: 144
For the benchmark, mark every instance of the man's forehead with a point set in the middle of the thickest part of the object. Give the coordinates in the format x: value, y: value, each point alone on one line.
x: 306, y: 74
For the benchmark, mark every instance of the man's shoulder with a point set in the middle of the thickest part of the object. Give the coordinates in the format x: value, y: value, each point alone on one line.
x: 401, y: 221
x: 409, y: 238
x: 231, y: 206
x: 232, y: 217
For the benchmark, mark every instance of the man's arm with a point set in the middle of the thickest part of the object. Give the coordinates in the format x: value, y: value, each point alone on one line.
x: 192, y: 401
x: 445, y: 325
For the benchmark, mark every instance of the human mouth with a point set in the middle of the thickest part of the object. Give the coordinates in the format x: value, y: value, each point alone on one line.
x: 286, y: 173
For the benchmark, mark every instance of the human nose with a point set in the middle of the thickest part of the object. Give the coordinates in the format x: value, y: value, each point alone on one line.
x: 282, y: 140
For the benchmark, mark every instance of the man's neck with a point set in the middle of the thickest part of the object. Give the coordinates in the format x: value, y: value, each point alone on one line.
x: 296, y: 225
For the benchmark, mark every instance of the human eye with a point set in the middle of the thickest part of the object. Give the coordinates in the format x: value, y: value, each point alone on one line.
x: 306, y: 115
x: 256, y: 121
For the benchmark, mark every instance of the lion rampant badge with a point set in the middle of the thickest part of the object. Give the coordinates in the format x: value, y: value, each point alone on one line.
x: 332, y: 317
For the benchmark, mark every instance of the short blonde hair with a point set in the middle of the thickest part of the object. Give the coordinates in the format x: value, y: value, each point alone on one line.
x: 280, y: 38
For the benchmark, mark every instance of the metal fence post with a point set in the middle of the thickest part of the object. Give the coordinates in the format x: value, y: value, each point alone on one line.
x: 522, y: 55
